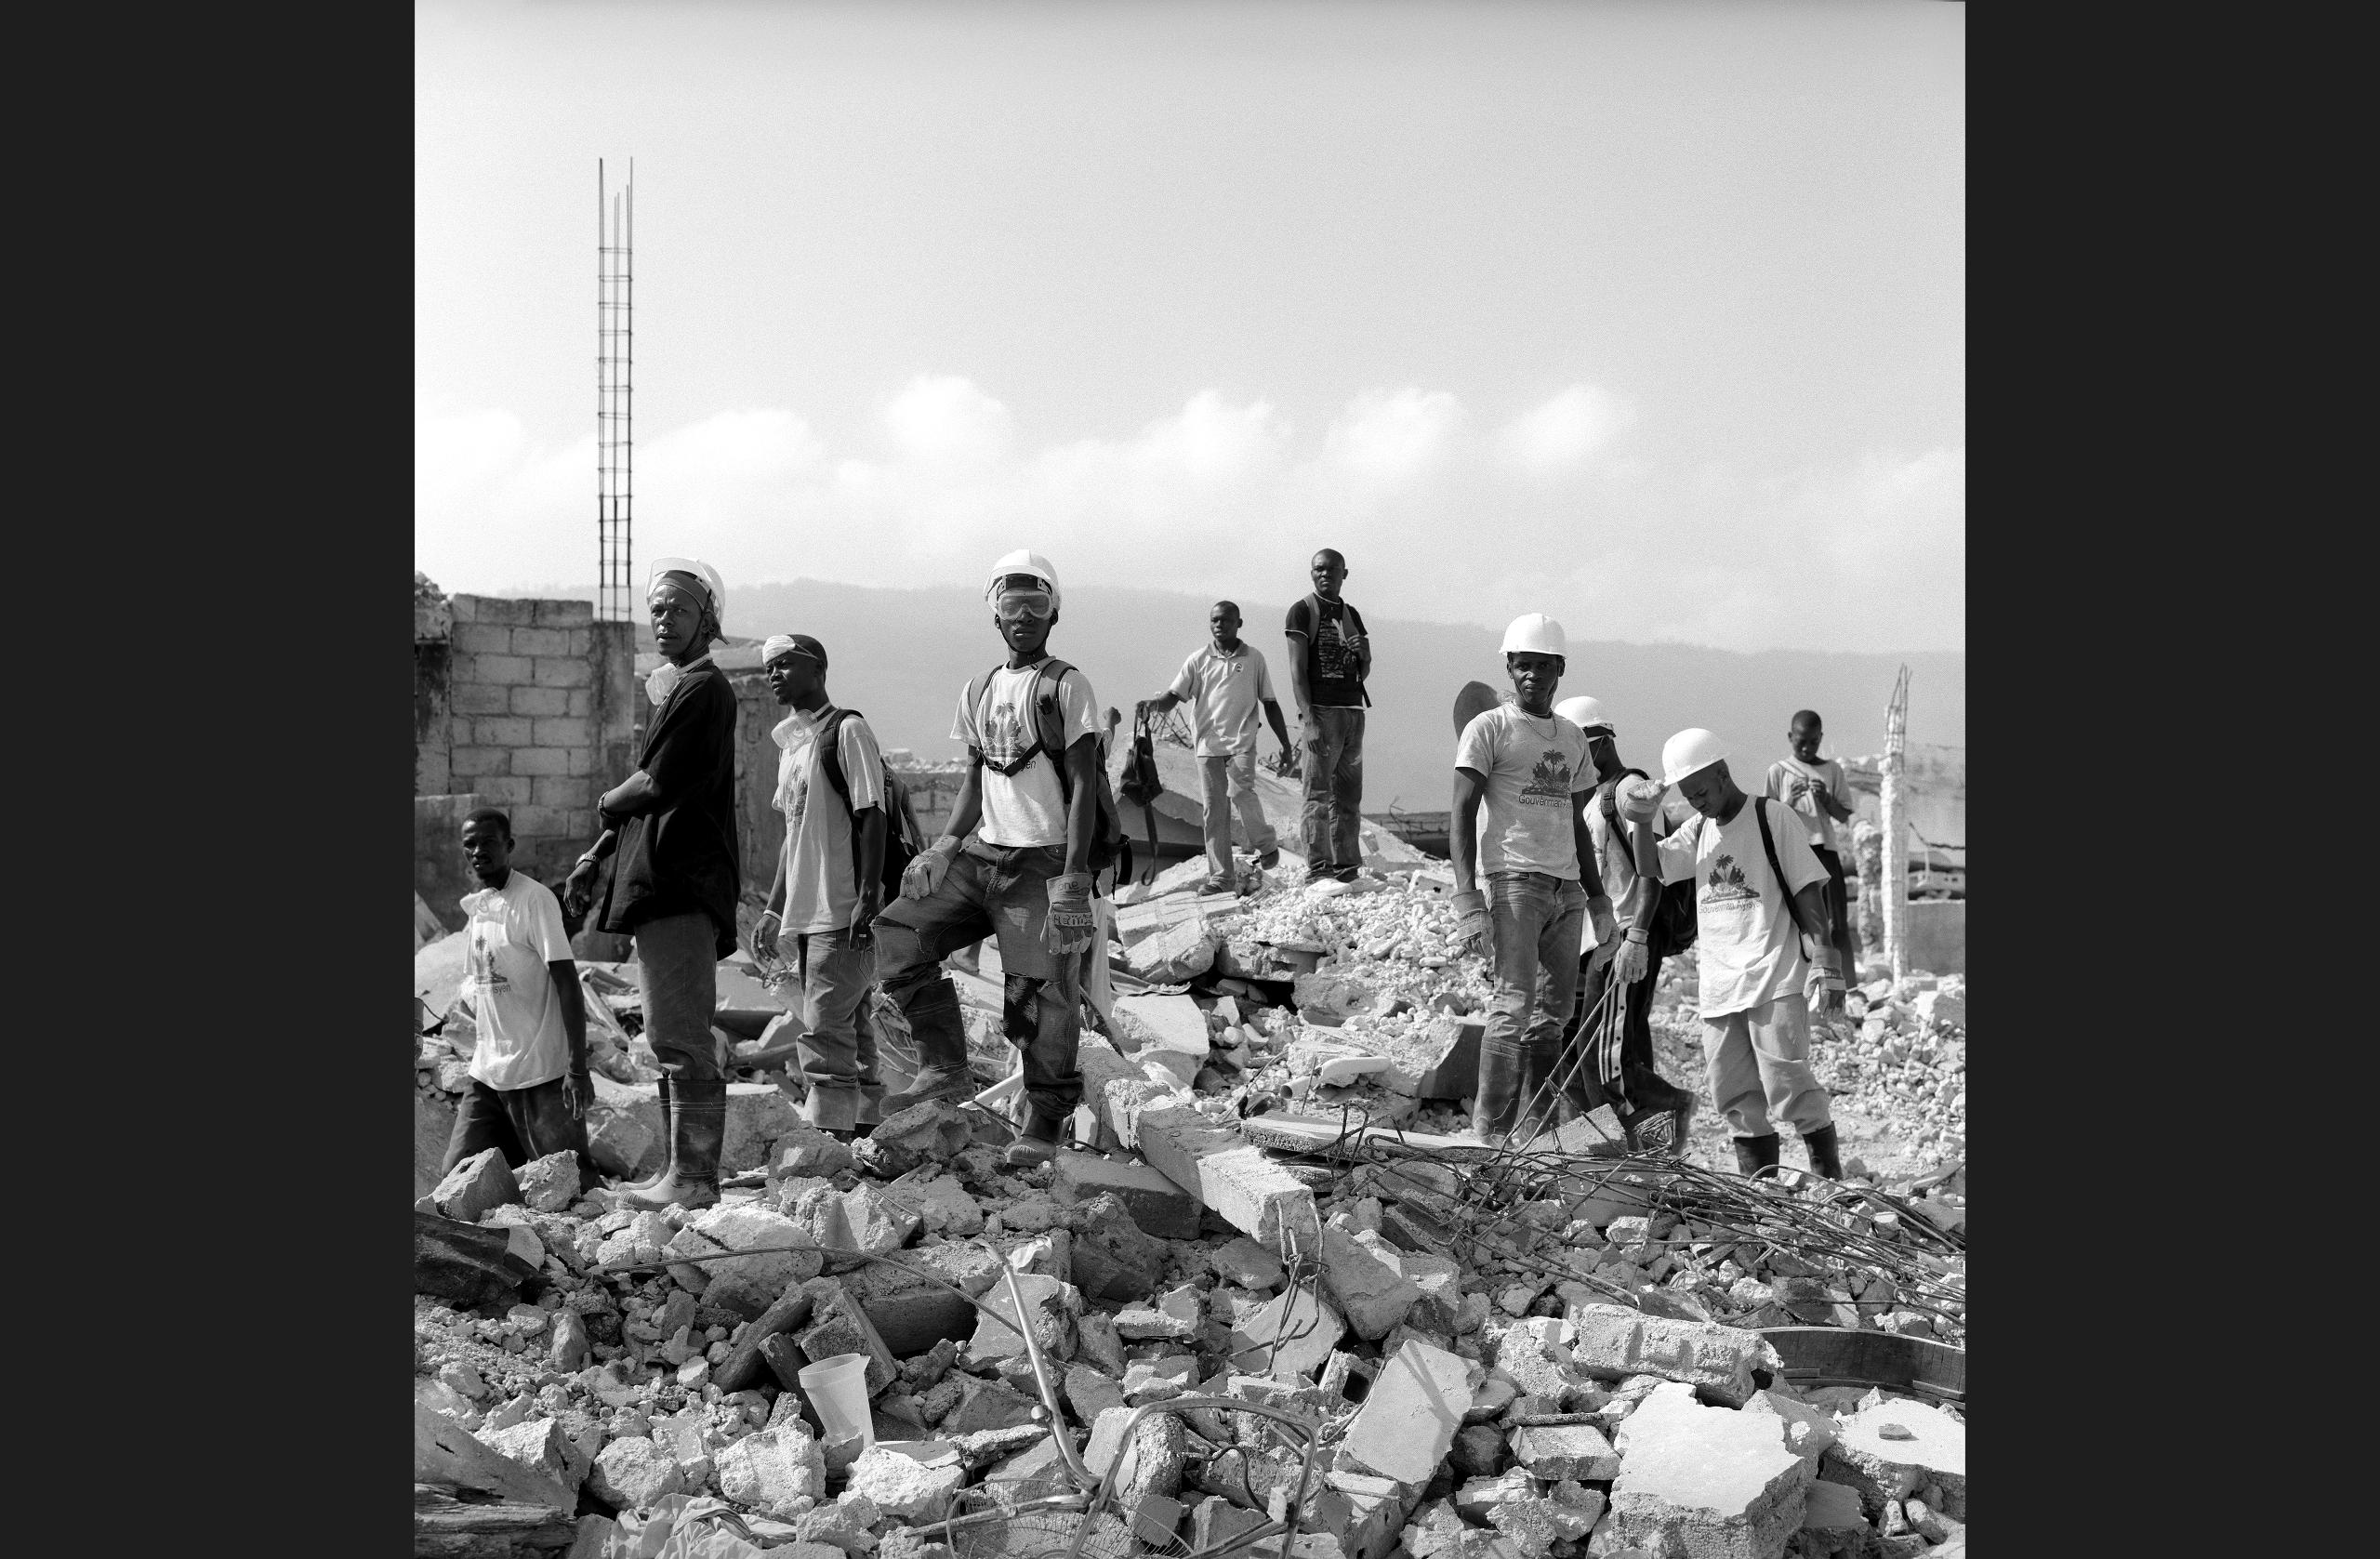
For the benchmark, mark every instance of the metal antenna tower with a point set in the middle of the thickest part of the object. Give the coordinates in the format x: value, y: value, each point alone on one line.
x: 615, y: 596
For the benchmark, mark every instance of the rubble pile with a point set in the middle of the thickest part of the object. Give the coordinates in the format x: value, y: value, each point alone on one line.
x: 1257, y: 1291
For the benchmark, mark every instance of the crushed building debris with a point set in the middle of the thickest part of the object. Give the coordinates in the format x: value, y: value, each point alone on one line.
x: 1272, y: 1302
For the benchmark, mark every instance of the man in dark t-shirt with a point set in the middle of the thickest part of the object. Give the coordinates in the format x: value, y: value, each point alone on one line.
x: 1329, y: 657
x: 673, y: 887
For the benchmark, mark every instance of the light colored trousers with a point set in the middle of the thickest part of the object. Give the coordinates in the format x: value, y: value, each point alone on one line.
x: 1759, y: 1063
x: 1236, y: 772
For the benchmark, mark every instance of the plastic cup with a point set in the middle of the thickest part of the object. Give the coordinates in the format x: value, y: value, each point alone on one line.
x: 837, y: 1388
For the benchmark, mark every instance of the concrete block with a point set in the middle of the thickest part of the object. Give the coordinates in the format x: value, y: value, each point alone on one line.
x: 503, y: 671
x: 1249, y: 1264
x: 561, y: 671
x: 539, y: 641
x: 1705, y: 1482
x: 495, y: 609
x: 503, y: 790
x: 564, y: 613
x: 1367, y: 1289
x: 540, y: 760
x: 576, y: 701
x: 563, y: 792
x: 758, y: 1115
x: 537, y: 703
x: 542, y: 1445
x: 1613, y: 1342
x: 806, y: 1151
x: 469, y: 763
x: 838, y: 1325
x: 1257, y: 1197
x: 1112, y: 1257
x: 481, y: 638
x: 1150, y: 1462
x: 478, y: 699
x: 562, y: 731
x: 1891, y: 1450
x: 1173, y: 1317
x: 475, y: 1185
x: 1308, y: 1328
x: 913, y: 1482
x: 774, y: 1470
x: 1051, y: 1307
x: 785, y: 1255
x: 927, y: 1133
x: 1412, y: 1413
x: 498, y: 730
x: 1565, y: 1450
x: 1157, y: 1206
x: 633, y: 1472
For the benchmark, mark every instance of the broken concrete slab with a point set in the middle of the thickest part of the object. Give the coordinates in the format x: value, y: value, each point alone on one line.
x: 1365, y: 1283
x: 1412, y: 1412
x: 805, y: 1151
x: 838, y: 1325
x: 1159, y: 1205
x: 1806, y: 1430
x: 931, y: 1132
x: 1577, y: 1451
x: 632, y: 1471
x: 1291, y: 1334
x: 910, y: 1481
x: 1051, y: 1307
x: 476, y: 1185
x: 1613, y: 1342
x: 861, y: 1221
x: 1112, y: 1257
x: 1705, y: 1481
x: 1890, y: 1450
x: 550, y: 1184
x: 1247, y: 1264
x: 785, y: 1254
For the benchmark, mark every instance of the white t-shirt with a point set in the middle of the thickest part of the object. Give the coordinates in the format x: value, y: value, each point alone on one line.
x: 1532, y: 765
x: 1748, y: 944
x: 819, y: 894
x: 1029, y: 808
x: 1787, y: 771
x: 516, y: 932
x: 1223, y: 692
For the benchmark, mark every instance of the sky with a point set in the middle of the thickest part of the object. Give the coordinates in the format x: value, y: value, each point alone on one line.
x: 1649, y: 316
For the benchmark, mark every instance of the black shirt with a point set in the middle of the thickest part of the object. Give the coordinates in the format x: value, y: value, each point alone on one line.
x: 1334, y: 672
x: 681, y: 857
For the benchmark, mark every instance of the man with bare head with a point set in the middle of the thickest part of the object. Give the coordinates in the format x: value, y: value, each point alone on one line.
x: 1329, y: 658
x: 1224, y: 683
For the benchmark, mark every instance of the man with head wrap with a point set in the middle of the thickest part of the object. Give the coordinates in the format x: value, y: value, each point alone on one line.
x: 829, y: 881
x: 673, y: 824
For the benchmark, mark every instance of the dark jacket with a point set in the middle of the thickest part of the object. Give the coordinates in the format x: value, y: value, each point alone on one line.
x: 681, y: 857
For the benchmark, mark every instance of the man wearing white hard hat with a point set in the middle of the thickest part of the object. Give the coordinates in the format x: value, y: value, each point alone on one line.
x: 1016, y: 860
x: 1528, y: 767
x: 1618, y: 1065
x: 1757, y: 886
x: 674, y: 884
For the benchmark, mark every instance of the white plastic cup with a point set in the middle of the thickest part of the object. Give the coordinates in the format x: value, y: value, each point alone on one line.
x: 837, y: 1388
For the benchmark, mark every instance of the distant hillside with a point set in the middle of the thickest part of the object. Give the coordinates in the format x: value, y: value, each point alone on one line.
x: 901, y: 656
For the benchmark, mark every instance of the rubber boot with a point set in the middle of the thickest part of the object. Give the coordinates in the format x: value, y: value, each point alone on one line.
x: 942, y: 1047
x: 699, y: 1129
x: 1826, y: 1158
x: 1499, y: 1098
x: 1038, y: 1142
x: 657, y: 1176
x: 1755, y: 1153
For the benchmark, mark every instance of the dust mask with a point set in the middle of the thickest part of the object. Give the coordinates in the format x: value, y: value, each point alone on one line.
x: 662, y: 679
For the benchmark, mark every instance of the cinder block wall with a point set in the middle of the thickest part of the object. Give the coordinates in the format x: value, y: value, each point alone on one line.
x: 934, y: 787
x: 540, y: 717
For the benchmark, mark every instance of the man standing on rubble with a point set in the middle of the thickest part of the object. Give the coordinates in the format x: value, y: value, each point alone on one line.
x: 529, y: 1088
x: 1529, y: 765
x: 1329, y: 658
x: 673, y: 824
x: 1031, y: 725
x: 1814, y: 787
x: 1756, y: 884
x: 829, y: 882
x: 1621, y: 1065
x: 1223, y: 682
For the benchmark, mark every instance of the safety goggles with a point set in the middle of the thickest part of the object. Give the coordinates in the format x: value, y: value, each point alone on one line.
x: 1015, y: 606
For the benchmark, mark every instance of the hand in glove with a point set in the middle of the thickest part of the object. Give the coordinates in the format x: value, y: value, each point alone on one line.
x: 1071, y: 923
x: 1472, y: 929
x: 924, y: 874
x: 1599, y: 915
x: 1633, y: 962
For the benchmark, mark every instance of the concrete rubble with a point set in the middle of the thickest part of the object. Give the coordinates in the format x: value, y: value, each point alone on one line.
x: 1587, y: 1364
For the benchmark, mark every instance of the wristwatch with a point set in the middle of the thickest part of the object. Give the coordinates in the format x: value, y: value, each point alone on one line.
x: 1638, y: 935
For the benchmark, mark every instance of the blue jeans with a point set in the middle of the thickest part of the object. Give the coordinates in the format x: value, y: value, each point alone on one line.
x: 1329, y: 825
x: 1534, y: 924
x: 838, y: 1055
x: 990, y: 890
x: 677, y: 960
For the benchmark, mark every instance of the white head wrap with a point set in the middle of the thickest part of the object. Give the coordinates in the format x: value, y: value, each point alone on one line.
x: 700, y: 570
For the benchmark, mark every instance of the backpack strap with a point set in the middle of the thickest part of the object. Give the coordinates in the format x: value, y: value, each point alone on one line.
x: 1049, y: 723
x: 1768, y: 843
x: 831, y: 757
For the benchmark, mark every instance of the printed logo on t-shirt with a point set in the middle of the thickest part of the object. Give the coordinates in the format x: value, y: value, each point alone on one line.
x: 1549, y: 782
x: 487, y: 935
x: 1726, y: 884
x: 1331, y: 657
x: 1003, y: 735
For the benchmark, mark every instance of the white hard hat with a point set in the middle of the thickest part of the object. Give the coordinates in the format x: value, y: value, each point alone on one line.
x: 1585, y: 713
x: 1023, y: 562
x: 1689, y: 751
x: 712, y: 584
x: 1534, y: 631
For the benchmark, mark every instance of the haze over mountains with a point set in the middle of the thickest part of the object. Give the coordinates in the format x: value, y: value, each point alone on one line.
x: 901, y: 656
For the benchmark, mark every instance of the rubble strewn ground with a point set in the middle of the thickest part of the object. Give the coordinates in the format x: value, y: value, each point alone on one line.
x: 1566, y: 1352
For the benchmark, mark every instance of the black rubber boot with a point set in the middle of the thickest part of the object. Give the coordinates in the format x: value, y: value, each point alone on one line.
x: 1497, y: 1101
x: 1826, y: 1158
x: 1755, y: 1153
x: 657, y: 1176
x: 700, y: 1130
x: 1038, y: 1144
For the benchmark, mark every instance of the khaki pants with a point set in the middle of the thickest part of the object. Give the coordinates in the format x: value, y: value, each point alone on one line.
x: 1760, y: 1068
x: 1236, y: 772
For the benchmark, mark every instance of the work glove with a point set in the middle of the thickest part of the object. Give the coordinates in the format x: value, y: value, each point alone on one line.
x: 925, y: 874
x: 1599, y: 915
x: 1071, y: 923
x: 1472, y: 929
x: 1632, y: 961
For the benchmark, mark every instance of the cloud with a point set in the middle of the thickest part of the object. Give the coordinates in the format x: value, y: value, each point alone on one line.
x: 1444, y: 514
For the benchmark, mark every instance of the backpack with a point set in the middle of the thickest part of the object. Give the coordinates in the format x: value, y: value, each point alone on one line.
x: 903, y: 838
x: 1313, y: 604
x: 1673, y: 924
x: 1142, y: 787
x: 1107, y: 843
